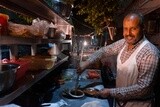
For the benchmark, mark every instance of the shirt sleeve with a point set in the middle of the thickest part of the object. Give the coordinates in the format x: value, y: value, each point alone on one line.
x: 109, y: 50
x: 147, y: 65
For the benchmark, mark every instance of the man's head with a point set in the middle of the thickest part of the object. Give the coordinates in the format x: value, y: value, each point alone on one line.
x: 133, y: 28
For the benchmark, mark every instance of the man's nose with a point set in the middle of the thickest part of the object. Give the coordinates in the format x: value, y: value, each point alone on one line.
x: 127, y: 32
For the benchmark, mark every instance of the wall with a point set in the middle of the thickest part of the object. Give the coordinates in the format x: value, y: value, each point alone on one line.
x: 155, y: 39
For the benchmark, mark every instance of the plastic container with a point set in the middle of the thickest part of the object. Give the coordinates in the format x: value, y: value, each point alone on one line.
x: 24, y: 65
x: 7, y: 76
x: 38, y: 62
x: 3, y: 24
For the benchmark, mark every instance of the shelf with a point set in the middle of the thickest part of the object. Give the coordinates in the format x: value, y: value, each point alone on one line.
x: 29, y: 80
x: 67, y: 41
x: 9, y: 40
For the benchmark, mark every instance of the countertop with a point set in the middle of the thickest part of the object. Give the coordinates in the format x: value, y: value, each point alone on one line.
x: 70, y: 84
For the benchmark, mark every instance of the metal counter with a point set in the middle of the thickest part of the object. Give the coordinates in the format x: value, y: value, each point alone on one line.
x: 70, y: 84
x: 25, y: 83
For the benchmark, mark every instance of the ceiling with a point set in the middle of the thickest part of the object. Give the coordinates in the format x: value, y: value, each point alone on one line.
x: 34, y: 8
x: 38, y: 9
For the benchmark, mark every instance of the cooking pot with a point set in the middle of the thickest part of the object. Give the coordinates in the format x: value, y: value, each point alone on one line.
x: 7, y: 75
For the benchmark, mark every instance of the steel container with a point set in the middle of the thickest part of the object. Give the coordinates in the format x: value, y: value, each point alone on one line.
x: 7, y: 75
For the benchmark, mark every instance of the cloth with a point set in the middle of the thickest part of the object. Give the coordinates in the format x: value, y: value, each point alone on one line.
x: 147, y: 62
x: 128, y: 73
x: 10, y: 105
x: 92, y: 104
x: 57, y: 104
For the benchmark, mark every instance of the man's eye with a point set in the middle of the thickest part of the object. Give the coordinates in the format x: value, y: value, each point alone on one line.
x: 132, y: 29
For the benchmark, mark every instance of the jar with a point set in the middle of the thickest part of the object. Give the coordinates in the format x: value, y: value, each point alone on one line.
x: 4, y: 23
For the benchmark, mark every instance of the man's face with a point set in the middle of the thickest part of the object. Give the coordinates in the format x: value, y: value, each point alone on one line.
x: 131, y: 29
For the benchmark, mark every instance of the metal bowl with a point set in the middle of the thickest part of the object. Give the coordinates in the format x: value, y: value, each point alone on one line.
x: 76, y: 93
x: 7, y: 75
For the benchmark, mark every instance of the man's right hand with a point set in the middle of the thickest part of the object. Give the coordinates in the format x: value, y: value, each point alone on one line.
x: 82, y: 66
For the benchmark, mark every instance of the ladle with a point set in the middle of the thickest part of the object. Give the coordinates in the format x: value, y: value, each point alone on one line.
x: 77, y: 82
x: 77, y: 79
x: 81, y: 56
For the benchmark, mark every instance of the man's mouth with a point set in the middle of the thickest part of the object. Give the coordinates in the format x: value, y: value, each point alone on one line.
x: 129, y: 38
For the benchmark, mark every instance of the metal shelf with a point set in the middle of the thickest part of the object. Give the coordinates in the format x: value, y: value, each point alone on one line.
x: 14, y: 41
x: 30, y: 79
x: 25, y: 83
x: 9, y: 40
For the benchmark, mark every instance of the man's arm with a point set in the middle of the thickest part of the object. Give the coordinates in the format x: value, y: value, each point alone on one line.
x: 112, y: 49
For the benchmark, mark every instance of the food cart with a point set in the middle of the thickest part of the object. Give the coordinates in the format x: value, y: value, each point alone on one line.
x: 31, y: 80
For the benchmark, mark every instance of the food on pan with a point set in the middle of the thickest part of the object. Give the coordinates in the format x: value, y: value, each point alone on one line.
x: 93, y: 74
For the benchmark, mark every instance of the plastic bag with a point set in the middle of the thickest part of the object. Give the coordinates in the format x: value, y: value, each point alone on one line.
x: 39, y: 27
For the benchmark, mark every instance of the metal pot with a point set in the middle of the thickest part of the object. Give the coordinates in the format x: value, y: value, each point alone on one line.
x: 7, y: 75
x: 51, y: 32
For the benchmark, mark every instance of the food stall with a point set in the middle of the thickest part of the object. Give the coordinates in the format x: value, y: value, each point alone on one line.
x: 54, y: 74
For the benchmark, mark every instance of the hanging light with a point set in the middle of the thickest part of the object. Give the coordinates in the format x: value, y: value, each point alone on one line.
x: 85, y: 43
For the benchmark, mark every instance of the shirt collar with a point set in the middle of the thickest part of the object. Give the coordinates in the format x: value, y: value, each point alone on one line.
x: 138, y: 43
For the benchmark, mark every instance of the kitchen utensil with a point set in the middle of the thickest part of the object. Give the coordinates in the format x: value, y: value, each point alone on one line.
x: 23, y: 67
x: 77, y: 81
x: 51, y: 32
x: 76, y: 93
x: 7, y: 75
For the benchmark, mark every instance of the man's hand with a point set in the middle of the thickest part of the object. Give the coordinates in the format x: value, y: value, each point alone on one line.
x: 104, y: 93
x: 82, y: 66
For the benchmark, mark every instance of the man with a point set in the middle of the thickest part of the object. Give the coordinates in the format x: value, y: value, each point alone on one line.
x: 137, y: 61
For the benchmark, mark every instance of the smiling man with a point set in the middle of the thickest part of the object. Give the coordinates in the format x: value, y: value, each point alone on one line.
x: 137, y: 63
